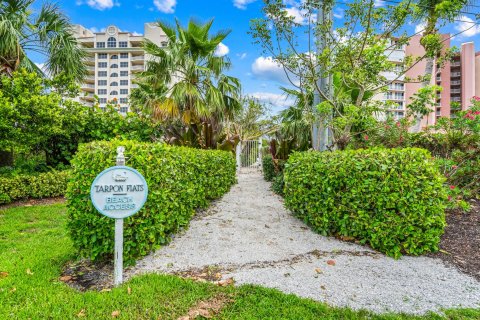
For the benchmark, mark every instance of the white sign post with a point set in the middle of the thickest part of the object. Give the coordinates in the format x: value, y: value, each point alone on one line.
x: 119, y: 192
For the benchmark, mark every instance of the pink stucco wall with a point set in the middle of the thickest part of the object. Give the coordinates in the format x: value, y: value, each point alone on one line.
x: 467, y: 58
x: 415, y: 50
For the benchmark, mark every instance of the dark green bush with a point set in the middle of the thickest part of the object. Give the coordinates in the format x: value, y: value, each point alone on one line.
x: 391, y: 199
x: 268, y: 168
x: 179, y: 180
x: 278, y: 184
x: 43, y: 185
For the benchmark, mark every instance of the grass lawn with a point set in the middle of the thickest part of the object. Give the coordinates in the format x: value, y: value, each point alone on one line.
x: 34, y: 245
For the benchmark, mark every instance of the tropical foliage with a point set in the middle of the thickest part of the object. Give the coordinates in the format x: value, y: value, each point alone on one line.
x: 49, y: 32
x: 185, y: 87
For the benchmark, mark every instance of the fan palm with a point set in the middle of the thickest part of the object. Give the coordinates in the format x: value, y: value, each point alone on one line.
x: 48, y: 33
x: 187, y: 81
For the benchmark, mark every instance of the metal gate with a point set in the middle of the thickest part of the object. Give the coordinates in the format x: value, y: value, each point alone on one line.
x: 249, y: 154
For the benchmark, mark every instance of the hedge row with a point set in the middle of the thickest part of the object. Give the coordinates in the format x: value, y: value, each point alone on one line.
x: 392, y: 199
x: 179, y: 180
x: 43, y: 185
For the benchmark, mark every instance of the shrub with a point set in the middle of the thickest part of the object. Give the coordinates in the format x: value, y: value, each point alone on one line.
x: 268, y: 168
x: 278, y: 184
x: 392, y: 199
x: 43, y: 185
x: 179, y: 180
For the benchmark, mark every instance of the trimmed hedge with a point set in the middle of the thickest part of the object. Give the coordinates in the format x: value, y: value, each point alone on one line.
x: 391, y: 199
x: 268, y: 168
x: 42, y: 185
x: 179, y: 181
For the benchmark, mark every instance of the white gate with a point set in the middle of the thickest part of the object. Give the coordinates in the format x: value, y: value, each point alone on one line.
x: 249, y: 154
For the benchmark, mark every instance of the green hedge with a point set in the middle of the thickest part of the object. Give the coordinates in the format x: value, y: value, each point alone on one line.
x: 42, y: 185
x: 391, y: 199
x: 179, y: 181
x: 268, y: 168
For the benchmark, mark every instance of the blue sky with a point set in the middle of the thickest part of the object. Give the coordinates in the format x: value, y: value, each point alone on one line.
x: 260, y: 77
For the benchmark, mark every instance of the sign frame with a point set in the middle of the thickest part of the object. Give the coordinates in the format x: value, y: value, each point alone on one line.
x: 140, y: 205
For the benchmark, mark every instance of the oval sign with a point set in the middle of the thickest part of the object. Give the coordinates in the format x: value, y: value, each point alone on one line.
x: 119, y: 192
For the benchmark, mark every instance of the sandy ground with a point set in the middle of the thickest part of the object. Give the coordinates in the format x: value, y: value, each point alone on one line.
x: 250, y: 236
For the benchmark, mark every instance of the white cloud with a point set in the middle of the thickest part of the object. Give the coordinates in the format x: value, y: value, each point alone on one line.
x: 221, y: 50
x: 467, y: 26
x: 242, y: 4
x: 165, y: 6
x: 276, y: 100
x: 242, y: 55
x: 379, y: 3
x: 267, y: 68
x: 419, y: 28
x: 300, y: 16
x: 338, y: 13
x: 135, y: 33
x: 99, y: 4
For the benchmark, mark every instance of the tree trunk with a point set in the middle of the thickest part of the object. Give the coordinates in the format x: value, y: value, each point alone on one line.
x: 6, y: 158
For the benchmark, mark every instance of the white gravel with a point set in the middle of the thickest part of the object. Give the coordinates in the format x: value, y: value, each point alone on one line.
x: 251, y: 237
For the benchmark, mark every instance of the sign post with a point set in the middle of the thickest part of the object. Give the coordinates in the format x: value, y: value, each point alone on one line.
x: 119, y: 192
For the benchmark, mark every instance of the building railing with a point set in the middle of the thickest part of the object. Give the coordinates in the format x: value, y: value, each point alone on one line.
x: 456, y: 91
x: 455, y: 64
x: 138, y: 58
x: 455, y: 74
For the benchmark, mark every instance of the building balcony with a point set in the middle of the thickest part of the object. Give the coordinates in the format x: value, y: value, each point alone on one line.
x: 455, y: 64
x: 90, y: 79
x: 456, y: 83
x: 88, y: 87
x: 455, y: 74
x: 88, y: 42
x: 138, y: 68
x: 90, y: 69
x: 439, y: 79
x: 89, y: 60
x: 455, y: 91
x: 456, y: 99
x: 88, y: 96
x: 134, y: 86
x: 137, y: 58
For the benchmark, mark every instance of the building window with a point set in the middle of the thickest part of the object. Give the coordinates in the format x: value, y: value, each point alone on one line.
x: 102, y: 64
x: 102, y: 56
x: 113, y: 93
x: 100, y: 45
x: 164, y: 43
x: 123, y: 91
x: 124, y: 64
x: 123, y: 44
x: 123, y: 100
x: 114, y: 66
x: 102, y: 100
x: 114, y: 84
x: 102, y: 82
x: 123, y: 73
x: 112, y: 42
x: 123, y: 109
x: 114, y: 56
x: 124, y: 55
x: 124, y: 82
x: 114, y: 75
x: 102, y: 91
x: 102, y: 73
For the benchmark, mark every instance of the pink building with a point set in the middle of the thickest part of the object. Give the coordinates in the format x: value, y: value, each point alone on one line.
x: 459, y: 78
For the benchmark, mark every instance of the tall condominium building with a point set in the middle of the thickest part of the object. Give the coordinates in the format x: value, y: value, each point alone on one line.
x: 459, y: 79
x: 114, y: 59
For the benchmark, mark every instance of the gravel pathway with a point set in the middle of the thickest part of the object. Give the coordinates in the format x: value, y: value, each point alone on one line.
x: 250, y: 236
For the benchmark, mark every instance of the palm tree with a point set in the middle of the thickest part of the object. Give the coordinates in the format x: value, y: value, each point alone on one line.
x: 48, y: 33
x: 432, y: 12
x: 185, y: 81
